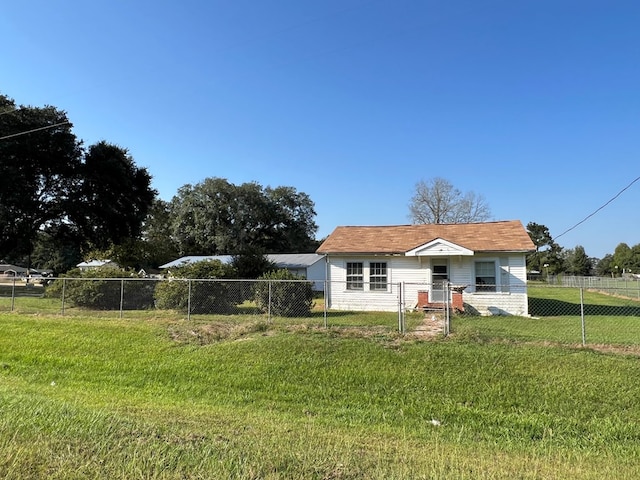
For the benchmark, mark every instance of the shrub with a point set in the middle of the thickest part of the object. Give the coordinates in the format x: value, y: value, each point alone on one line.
x: 249, y: 265
x: 287, y: 294
x: 101, y: 289
x: 194, y: 286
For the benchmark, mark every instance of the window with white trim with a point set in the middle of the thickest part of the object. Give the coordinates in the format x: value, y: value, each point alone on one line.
x: 485, y: 276
x: 378, y: 276
x: 355, y: 277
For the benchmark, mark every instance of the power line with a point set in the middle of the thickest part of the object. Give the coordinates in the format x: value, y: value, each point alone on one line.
x: 597, y: 210
x: 34, y: 130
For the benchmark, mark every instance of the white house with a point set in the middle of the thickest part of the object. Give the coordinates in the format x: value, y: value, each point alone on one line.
x: 368, y: 266
x: 305, y: 265
x: 92, y: 264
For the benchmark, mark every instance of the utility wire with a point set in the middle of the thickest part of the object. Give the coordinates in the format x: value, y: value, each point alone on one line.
x: 34, y: 130
x: 597, y: 210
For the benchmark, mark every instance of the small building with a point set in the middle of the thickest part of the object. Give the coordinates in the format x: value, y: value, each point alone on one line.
x: 150, y: 273
x: 93, y: 264
x: 8, y: 270
x: 309, y: 266
x: 485, y: 262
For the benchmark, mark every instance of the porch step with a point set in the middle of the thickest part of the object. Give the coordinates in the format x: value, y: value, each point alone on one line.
x: 432, y: 306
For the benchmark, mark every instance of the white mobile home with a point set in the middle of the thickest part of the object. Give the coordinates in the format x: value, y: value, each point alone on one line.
x: 309, y: 266
x: 93, y: 264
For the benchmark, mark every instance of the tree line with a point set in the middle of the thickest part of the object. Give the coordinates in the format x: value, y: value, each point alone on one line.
x: 62, y: 202
x: 552, y: 259
x: 437, y: 201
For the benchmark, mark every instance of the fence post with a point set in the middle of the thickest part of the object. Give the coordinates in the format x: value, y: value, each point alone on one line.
x: 584, y: 333
x: 269, y: 303
x: 13, y: 293
x: 188, y: 299
x: 64, y: 288
x: 121, y: 296
x: 324, y: 302
x: 404, y: 308
x: 447, y: 309
x: 399, y: 285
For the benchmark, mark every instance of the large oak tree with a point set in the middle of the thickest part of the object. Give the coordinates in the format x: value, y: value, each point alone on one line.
x: 113, y: 198
x: 40, y: 160
x: 218, y: 217
x: 59, y: 196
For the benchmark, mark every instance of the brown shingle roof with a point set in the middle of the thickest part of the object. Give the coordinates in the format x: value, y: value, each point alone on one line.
x: 504, y: 236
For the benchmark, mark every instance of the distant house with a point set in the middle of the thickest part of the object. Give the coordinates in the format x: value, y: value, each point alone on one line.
x: 305, y: 265
x: 150, y: 273
x: 93, y: 264
x: 8, y: 270
x: 182, y: 261
x: 485, y: 261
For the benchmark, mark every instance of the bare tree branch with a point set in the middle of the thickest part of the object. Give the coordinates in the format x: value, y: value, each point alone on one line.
x: 438, y: 201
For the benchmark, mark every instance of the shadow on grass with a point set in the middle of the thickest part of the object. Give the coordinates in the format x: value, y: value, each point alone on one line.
x: 21, y: 291
x: 543, y: 307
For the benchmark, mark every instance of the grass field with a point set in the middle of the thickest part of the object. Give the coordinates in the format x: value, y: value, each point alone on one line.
x: 157, y: 397
x: 556, y: 317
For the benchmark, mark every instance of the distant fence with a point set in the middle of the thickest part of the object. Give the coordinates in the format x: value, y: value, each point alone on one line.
x: 578, y: 310
x: 627, y: 286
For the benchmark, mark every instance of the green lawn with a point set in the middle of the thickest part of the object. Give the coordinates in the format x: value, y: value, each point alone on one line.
x: 556, y: 317
x: 163, y: 398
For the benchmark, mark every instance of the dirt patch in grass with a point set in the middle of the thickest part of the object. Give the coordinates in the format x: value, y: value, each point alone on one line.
x: 432, y: 326
x: 430, y: 329
x: 633, y: 350
x: 214, y: 332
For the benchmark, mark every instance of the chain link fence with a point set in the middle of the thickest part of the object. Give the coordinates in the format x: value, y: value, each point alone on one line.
x: 596, y: 314
x: 627, y: 286
x: 584, y: 310
x: 298, y: 302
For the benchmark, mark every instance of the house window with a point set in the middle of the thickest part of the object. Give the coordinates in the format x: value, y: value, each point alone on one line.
x: 378, y: 276
x: 485, y: 276
x: 355, y: 279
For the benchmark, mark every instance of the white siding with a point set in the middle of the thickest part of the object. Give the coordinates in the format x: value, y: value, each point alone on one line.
x: 317, y: 273
x: 399, y: 269
x: 461, y: 270
x: 511, y: 298
x: 498, y: 303
x: 414, y: 273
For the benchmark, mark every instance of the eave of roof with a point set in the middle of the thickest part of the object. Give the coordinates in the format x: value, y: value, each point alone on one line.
x: 502, y: 236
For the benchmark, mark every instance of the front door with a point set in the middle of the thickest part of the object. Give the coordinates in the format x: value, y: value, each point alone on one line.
x: 439, y: 279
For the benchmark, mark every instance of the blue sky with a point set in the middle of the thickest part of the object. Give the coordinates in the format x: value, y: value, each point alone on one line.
x: 535, y: 105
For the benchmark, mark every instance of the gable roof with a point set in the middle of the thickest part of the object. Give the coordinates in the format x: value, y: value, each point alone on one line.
x: 7, y: 267
x: 502, y: 236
